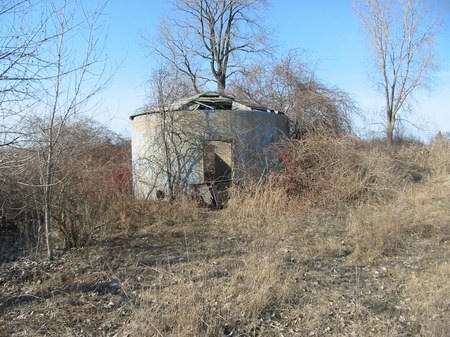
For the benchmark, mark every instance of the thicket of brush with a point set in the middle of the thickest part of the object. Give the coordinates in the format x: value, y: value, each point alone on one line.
x: 268, y: 233
x: 284, y: 221
x: 322, y: 172
x: 92, y: 194
x: 93, y: 190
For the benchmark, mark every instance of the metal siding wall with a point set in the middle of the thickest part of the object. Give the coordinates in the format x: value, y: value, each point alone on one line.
x: 250, y: 131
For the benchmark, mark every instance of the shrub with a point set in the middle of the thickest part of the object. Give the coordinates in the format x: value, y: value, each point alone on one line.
x: 327, y: 172
x: 439, y: 155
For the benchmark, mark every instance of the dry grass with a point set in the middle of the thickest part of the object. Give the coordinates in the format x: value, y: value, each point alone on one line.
x: 360, y: 248
x: 210, y: 304
x: 114, y: 214
x: 430, y: 296
x: 418, y: 213
x: 259, y: 202
x: 228, y: 288
x: 438, y: 156
x: 322, y: 171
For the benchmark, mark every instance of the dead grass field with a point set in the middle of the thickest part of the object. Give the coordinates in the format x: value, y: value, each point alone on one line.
x: 265, y: 266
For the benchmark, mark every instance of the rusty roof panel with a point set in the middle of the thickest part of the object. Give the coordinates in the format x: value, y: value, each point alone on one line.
x: 208, y: 101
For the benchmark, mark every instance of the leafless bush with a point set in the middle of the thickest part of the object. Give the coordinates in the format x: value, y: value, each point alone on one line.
x: 20, y: 208
x: 323, y: 171
x: 94, y: 192
x: 340, y: 170
x: 92, y: 188
x: 439, y: 155
x: 290, y: 86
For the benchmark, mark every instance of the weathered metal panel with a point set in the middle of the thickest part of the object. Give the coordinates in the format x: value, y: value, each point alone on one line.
x: 251, y: 133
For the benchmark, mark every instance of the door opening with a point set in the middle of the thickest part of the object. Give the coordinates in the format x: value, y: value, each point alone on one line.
x: 217, y: 161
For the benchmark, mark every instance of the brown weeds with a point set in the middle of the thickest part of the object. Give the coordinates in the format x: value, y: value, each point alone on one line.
x: 346, y: 240
x: 212, y: 303
x: 439, y: 155
x: 418, y: 213
x: 430, y: 294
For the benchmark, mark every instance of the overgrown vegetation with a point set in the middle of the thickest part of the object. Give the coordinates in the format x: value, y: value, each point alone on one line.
x: 344, y: 237
x: 347, y: 238
x: 325, y: 247
x: 92, y: 190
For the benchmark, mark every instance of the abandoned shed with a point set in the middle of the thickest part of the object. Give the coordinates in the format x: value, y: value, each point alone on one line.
x: 200, y: 143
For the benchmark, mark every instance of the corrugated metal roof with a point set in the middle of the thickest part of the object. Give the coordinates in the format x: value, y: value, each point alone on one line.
x: 208, y: 101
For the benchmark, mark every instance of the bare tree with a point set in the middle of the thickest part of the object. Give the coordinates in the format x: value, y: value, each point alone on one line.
x: 290, y: 86
x: 402, y: 34
x: 177, y: 135
x: 165, y: 94
x: 73, y: 78
x: 209, y: 37
x: 22, y: 38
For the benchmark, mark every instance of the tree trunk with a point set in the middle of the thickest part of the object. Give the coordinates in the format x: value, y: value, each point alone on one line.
x: 166, y: 132
x: 48, y: 205
x: 390, y: 127
x: 221, y: 82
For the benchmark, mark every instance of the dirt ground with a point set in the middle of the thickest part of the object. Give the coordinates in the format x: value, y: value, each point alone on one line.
x: 104, y: 289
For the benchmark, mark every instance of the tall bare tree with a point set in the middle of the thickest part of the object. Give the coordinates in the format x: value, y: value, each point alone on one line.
x: 73, y: 77
x: 402, y: 34
x: 208, y: 38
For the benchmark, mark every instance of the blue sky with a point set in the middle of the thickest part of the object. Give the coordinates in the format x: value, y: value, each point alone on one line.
x: 328, y: 31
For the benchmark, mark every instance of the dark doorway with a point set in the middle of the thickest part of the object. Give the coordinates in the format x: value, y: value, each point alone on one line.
x: 217, y: 161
